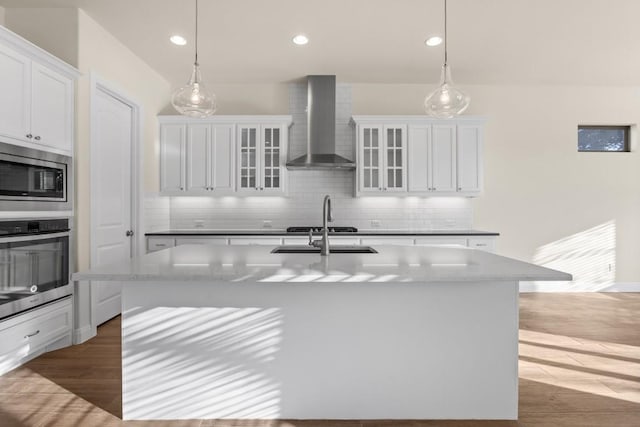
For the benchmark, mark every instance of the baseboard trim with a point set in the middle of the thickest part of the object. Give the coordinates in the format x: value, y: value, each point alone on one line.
x: 84, y: 334
x: 564, y: 287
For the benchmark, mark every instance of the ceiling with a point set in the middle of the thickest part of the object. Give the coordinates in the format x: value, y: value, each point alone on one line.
x: 578, y: 42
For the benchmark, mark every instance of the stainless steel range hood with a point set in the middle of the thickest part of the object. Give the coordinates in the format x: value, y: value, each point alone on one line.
x: 321, y: 128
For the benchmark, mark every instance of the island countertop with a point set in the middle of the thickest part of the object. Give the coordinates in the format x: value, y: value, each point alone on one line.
x: 256, y: 264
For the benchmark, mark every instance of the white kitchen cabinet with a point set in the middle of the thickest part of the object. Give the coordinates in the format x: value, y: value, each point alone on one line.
x: 210, y: 159
x: 469, y: 156
x: 436, y: 157
x: 37, y: 105
x: 382, y: 154
x: 255, y: 240
x: 30, y: 334
x: 485, y: 243
x: 432, y: 158
x: 441, y: 241
x: 159, y: 243
x: 173, y: 158
x: 262, y: 153
x: 387, y: 240
x: 197, y: 159
x: 223, y: 155
x: 443, y: 158
x: 217, y: 241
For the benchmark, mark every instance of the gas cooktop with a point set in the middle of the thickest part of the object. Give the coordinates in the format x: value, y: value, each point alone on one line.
x: 317, y: 229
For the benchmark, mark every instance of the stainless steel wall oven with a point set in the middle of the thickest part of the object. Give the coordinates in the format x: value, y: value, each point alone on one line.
x: 34, y: 264
x: 34, y: 180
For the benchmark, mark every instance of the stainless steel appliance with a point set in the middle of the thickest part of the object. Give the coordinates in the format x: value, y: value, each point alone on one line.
x: 34, y: 180
x: 34, y: 264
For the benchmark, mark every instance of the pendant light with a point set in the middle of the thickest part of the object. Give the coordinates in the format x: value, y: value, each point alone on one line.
x: 447, y: 100
x: 193, y: 99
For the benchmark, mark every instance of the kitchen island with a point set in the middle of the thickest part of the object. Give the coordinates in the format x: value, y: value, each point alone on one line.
x: 239, y: 332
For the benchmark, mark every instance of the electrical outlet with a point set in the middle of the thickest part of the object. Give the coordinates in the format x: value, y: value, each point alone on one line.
x: 199, y: 223
x: 267, y: 224
x: 375, y: 223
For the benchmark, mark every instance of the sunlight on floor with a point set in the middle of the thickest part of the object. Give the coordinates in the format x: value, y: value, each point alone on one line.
x: 589, y: 255
x: 590, y: 366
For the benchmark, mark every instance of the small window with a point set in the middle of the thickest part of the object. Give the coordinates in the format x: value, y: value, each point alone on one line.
x: 603, y: 138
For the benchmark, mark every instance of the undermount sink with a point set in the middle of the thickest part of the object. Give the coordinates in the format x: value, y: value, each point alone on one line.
x: 338, y: 249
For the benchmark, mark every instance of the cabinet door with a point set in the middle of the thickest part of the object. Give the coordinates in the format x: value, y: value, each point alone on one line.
x: 443, y: 158
x: 159, y: 243
x: 198, y: 168
x: 15, y: 87
x: 51, y: 108
x: 395, y: 158
x: 418, y: 158
x: 172, y: 158
x: 469, y: 158
x: 371, y: 157
x: 222, y: 159
x: 271, y: 154
x: 248, y: 157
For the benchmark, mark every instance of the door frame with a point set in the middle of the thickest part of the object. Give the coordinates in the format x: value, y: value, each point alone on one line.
x: 98, y: 84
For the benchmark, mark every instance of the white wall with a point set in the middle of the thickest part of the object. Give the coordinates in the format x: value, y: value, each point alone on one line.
x: 53, y: 29
x: 103, y: 55
x: 552, y: 205
x: 549, y: 202
x: 2, y: 15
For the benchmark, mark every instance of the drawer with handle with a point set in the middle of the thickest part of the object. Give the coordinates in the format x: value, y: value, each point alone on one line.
x: 158, y: 244
x: 483, y: 243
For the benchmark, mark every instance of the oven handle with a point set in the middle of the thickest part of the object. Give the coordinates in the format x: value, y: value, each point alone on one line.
x: 32, y: 237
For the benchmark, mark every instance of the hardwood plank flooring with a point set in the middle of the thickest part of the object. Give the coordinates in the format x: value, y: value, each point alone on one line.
x: 579, y: 366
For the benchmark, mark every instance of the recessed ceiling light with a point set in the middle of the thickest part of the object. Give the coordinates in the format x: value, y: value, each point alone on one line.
x: 433, y: 41
x: 301, y: 39
x: 178, y: 40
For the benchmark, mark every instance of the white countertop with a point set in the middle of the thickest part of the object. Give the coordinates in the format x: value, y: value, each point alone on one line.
x: 251, y: 264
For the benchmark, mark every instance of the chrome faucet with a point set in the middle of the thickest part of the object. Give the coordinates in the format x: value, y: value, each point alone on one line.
x: 327, y: 217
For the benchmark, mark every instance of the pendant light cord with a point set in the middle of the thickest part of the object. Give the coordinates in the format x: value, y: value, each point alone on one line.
x: 196, y: 63
x: 445, y: 32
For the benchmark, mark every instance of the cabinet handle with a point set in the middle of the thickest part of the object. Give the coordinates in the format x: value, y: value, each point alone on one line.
x: 459, y: 189
x: 380, y: 188
x: 481, y: 244
x: 129, y: 233
x: 261, y: 188
x: 181, y: 188
x: 37, y: 138
x: 29, y: 136
x: 160, y: 244
x: 32, y: 335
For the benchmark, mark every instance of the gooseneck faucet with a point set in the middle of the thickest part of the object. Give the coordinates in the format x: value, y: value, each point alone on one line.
x: 327, y: 217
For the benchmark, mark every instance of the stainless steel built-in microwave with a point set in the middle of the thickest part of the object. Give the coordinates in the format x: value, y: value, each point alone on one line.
x: 34, y: 180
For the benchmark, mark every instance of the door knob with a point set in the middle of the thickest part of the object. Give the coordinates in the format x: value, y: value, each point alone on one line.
x: 129, y: 233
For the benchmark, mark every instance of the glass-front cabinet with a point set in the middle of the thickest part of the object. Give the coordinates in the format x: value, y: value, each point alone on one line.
x: 223, y: 155
x: 418, y: 156
x: 261, y: 162
x: 382, y: 154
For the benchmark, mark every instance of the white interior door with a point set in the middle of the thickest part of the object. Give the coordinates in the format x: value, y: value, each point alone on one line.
x: 111, y: 187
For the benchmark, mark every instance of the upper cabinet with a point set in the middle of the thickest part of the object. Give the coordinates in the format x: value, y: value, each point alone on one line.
x: 37, y: 106
x: 382, y: 158
x: 223, y: 155
x: 414, y: 155
x: 261, y: 158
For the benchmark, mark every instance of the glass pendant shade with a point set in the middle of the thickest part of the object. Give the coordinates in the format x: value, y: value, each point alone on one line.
x: 193, y: 99
x: 447, y: 100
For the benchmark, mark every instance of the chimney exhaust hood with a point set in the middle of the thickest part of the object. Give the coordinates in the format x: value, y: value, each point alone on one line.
x: 321, y: 128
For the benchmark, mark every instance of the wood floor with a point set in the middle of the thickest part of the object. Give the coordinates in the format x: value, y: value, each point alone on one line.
x: 579, y: 366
